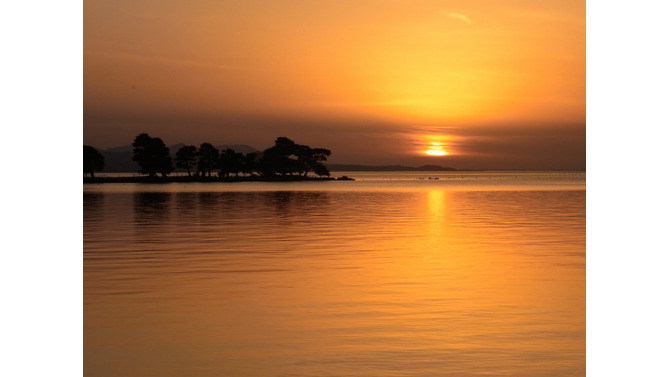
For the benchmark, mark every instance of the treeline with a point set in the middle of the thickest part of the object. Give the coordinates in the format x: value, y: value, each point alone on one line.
x: 285, y: 158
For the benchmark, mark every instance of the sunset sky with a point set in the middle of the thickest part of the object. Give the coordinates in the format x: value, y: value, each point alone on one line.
x: 468, y: 84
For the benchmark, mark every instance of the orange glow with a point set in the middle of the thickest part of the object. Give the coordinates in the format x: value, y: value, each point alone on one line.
x: 436, y: 149
x: 414, y: 61
x: 340, y: 71
x: 436, y: 152
x: 434, y: 145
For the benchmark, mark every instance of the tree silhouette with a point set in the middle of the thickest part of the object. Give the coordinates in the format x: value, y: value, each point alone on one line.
x: 208, y: 159
x: 152, y: 155
x: 250, y: 163
x: 186, y: 158
x: 93, y: 160
x: 311, y: 159
x: 287, y: 158
x: 230, y: 162
x: 277, y: 160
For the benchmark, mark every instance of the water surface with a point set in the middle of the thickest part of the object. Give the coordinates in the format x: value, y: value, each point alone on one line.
x: 478, y: 273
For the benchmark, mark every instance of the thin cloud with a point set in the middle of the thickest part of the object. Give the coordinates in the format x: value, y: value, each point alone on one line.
x: 461, y: 17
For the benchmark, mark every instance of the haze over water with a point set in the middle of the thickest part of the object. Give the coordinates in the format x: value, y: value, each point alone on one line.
x: 477, y: 273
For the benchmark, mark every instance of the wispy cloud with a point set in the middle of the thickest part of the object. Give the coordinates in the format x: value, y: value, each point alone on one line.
x: 462, y: 17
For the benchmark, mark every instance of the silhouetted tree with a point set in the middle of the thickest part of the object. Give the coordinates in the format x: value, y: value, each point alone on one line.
x: 287, y: 158
x: 311, y: 159
x: 93, y: 160
x: 208, y: 159
x: 277, y: 159
x: 274, y: 162
x: 230, y: 162
x: 152, y: 155
x: 250, y: 163
x: 186, y: 158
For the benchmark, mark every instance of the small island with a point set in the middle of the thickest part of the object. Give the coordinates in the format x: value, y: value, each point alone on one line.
x: 212, y: 179
x: 285, y: 161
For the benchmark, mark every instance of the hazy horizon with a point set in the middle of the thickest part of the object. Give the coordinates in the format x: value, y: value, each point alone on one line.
x: 481, y: 163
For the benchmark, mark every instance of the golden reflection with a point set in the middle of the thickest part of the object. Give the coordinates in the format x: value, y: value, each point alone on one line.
x: 416, y: 274
x: 437, y: 206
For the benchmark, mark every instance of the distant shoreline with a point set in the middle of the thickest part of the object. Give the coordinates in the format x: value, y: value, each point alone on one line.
x: 389, y: 168
x: 193, y: 179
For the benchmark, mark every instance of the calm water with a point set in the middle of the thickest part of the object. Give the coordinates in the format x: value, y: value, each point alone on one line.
x: 479, y: 273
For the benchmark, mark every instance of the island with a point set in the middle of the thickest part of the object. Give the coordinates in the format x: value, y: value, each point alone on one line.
x: 286, y: 161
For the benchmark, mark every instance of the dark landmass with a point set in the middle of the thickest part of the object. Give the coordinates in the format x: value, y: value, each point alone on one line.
x: 343, y: 167
x: 195, y: 179
x: 120, y: 159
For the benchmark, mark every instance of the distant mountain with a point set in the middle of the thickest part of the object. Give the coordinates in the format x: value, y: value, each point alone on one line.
x: 343, y: 167
x: 120, y: 159
x: 176, y: 147
x: 123, y: 148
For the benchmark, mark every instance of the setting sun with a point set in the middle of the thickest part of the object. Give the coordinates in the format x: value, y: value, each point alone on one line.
x: 434, y: 145
x: 436, y: 151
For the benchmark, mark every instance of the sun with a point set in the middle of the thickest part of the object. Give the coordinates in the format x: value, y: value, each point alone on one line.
x: 436, y: 149
x: 434, y: 145
x: 432, y: 152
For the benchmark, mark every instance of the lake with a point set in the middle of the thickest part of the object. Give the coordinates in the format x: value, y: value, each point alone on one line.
x: 394, y: 274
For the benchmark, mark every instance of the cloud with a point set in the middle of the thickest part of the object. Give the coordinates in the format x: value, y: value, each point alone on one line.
x: 461, y: 17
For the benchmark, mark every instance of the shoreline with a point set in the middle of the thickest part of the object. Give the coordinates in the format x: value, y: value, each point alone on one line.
x: 187, y: 179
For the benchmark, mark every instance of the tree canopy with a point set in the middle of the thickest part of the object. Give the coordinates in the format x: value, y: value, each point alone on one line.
x: 186, y: 158
x: 284, y: 158
x: 93, y: 160
x: 231, y: 162
x: 208, y: 159
x: 288, y: 158
x: 152, y: 155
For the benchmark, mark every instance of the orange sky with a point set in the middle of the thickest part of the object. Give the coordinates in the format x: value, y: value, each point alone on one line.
x: 492, y: 84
